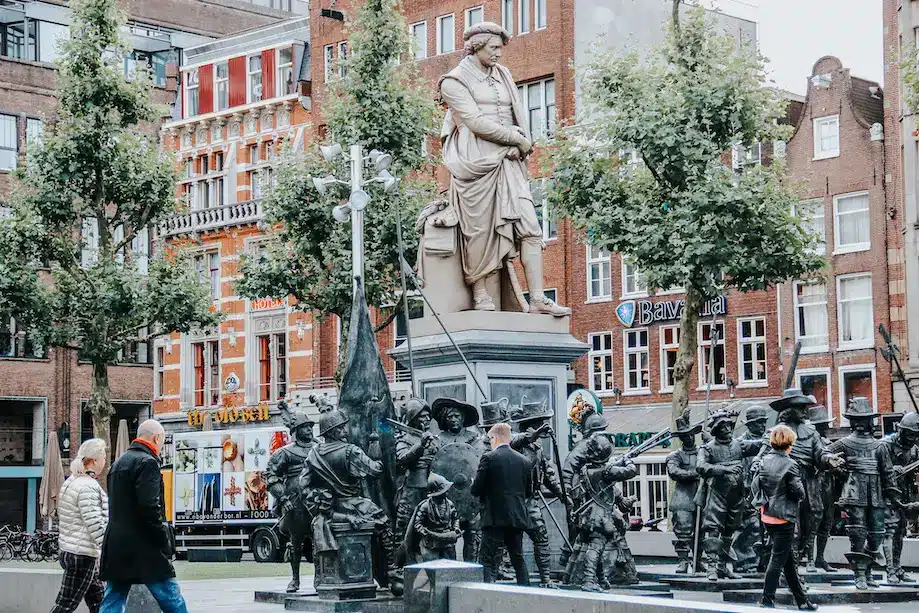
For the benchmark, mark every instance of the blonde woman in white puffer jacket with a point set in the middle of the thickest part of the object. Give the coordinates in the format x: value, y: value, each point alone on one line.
x: 83, y: 513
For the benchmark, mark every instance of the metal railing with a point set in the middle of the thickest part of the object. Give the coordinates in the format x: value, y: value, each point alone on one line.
x: 212, y: 218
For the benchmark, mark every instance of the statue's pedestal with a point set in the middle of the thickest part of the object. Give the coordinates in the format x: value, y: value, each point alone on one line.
x: 348, y: 573
x: 518, y: 356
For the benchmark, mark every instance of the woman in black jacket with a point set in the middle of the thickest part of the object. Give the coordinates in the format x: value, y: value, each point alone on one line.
x: 777, y: 485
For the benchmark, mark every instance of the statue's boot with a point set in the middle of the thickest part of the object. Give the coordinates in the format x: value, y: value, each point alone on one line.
x: 682, y: 553
x: 726, y: 566
x: 878, y: 555
x: 860, y: 564
x: 588, y: 580
x: 294, y: 584
x: 821, y: 562
x: 811, y: 548
x: 897, y: 550
x: 892, y: 577
x: 711, y: 547
x: 543, y: 561
x: 531, y: 258
x: 387, y: 544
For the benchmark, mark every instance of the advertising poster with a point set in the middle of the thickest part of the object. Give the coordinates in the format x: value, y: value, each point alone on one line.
x: 220, y: 475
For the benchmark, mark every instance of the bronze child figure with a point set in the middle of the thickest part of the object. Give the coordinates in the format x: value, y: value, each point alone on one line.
x: 435, y: 526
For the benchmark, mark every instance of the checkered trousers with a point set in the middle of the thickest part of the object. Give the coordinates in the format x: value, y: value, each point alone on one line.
x: 81, y: 581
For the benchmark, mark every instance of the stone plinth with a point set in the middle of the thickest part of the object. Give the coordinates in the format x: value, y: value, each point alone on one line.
x: 702, y: 584
x: 830, y: 595
x: 386, y: 603
x: 347, y: 574
x: 426, y: 584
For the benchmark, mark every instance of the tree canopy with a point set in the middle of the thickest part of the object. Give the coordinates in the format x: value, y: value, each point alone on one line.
x: 76, y: 266
x: 681, y: 214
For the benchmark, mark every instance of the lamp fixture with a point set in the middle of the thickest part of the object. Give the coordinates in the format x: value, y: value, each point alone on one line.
x: 330, y: 152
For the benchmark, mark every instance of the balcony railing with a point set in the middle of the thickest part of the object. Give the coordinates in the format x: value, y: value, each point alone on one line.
x: 213, y: 218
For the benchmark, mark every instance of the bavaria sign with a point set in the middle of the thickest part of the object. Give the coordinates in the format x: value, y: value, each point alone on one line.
x: 645, y: 312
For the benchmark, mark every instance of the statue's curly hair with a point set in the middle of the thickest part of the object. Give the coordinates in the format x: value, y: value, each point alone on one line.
x: 477, y: 36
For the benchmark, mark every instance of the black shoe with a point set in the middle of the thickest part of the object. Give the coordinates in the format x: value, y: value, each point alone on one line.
x: 767, y: 603
x: 807, y: 605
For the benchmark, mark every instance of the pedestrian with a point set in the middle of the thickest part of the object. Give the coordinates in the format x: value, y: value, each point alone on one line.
x: 503, y: 483
x: 138, y: 544
x: 83, y: 514
x: 779, y: 489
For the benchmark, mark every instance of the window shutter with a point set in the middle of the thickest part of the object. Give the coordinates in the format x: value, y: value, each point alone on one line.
x: 269, y: 65
x: 206, y: 89
x: 237, y: 66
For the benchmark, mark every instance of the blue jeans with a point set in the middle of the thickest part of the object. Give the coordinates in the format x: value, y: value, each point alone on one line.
x: 166, y: 594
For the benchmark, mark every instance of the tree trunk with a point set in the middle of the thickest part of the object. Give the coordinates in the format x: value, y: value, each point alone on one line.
x: 100, y: 407
x: 686, y: 354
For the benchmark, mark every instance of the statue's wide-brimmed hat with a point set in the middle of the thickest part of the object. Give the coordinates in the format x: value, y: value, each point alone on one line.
x: 910, y: 422
x: 530, y: 413
x: 722, y: 416
x: 438, y: 485
x: 440, y: 406
x: 413, y: 408
x: 495, y: 412
x: 819, y: 414
x: 331, y: 420
x: 859, y: 407
x: 792, y: 397
x: 755, y: 414
x: 487, y: 27
x: 684, y: 427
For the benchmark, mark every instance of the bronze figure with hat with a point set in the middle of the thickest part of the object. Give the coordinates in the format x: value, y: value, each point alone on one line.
x: 681, y: 468
x: 459, y: 449
x: 285, y: 466
x: 415, y: 449
x: 747, y: 558
x: 819, y: 417
x: 870, y: 486
x: 901, y: 446
x: 434, y: 527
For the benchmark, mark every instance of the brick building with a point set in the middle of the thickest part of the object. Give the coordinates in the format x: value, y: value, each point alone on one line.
x: 42, y: 389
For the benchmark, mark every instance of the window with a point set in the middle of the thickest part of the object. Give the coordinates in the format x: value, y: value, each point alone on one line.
x: 159, y: 380
x: 600, y: 358
x: 328, y: 52
x: 856, y: 315
x: 446, y: 36
x: 15, y: 341
x: 816, y: 383
x: 812, y: 215
x: 852, y: 223
x: 419, y: 35
x: 742, y: 155
x: 633, y: 282
x: 637, y: 370
x: 136, y: 351
x: 286, y: 70
x: 826, y: 137
x: 670, y: 346
x: 474, y: 16
x: 207, y: 373
x: 811, y: 326
x: 539, y: 100
x: 191, y: 93
x: 89, y: 236
x: 254, y: 91
x: 140, y: 250
x: 632, y: 487
x: 751, y: 350
x: 255, y: 185
x: 221, y: 86
x: 253, y: 153
x: 857, y: 381
x: 272, y: 365
x: 207, y: 265
x: 507, y: 15
x: 35, y: 129
x: 548, y: 220
x: 49, y: 35
x: 342, y: 56
x: 541, y: 17
x: 706, y: 373
x: 551, y: 294
x: 9, y: 142
x: 523, y: 17
x: 598, y: 274
x: 14, y: 39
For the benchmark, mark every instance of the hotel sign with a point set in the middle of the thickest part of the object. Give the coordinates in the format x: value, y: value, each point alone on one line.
x: 644, y: 312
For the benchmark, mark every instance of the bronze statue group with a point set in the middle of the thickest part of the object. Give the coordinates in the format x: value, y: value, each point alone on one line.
x: 715, y: 514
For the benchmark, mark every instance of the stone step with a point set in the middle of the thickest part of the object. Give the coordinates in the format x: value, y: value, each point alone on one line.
x: 702, y: 584
x: 312, y: 604
x: 829, y: 595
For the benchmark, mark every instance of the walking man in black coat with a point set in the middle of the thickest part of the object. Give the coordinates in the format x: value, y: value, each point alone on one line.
x: 503, y: 483
x: 138, y: 545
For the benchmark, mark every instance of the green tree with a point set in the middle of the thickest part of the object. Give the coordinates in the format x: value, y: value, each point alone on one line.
x: 380, y: 104
x: 681, y: 214
x: 96, y: 173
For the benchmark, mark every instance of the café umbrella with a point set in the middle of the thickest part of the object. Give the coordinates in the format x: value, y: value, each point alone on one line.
x: 122, y: 440
x: 51, y: 479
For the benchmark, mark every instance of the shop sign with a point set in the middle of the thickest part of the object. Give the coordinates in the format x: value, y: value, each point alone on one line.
x: 267, y: 304
x: 632, y: 439
x: 645, y: 312
x: 231, y: 384
x: 230, y: 415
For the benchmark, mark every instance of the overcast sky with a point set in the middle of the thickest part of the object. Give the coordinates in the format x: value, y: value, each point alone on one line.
x: 794, y: 34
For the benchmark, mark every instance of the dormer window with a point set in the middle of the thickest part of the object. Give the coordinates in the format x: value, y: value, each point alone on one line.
x: 191, y: 93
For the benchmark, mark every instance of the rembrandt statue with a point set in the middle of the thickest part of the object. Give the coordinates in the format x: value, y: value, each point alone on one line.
x: 488, y: 219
